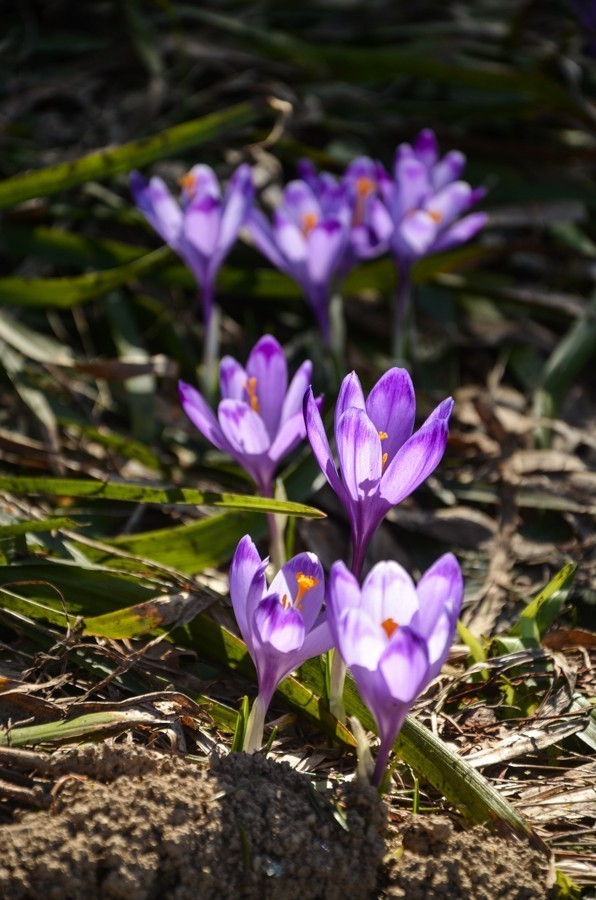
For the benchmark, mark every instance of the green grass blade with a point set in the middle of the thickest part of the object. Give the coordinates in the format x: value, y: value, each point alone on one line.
x: 91, y: 725
x: 108, y: 162
x: 105, y: 490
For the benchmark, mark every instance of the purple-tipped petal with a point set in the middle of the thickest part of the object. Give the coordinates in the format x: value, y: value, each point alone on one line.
x: 280, y: 627
x: 243, y: 428
x: 238, y: 199
x: 440, y: 588
x: 461, y: 231
x: 267, y: 364
x: 442, y: 412
x: 288, y: 437
x: 361, y: 640
x: 414, y: 462
x: 415, y: 235
x: 425, y: 147
x: 201, y: 415
x: 295, y: 394
x: 390, y: 594
x: 448, y: 169
x: 359, y: 452
x: 404, y: 665
x: 300, y: 202
x: 343, y: 592
x: 233, y: 380
x: 201, y: 224
x: 247, y: 576
x: 412, y: 187
x: 448, y: 203
x: 262, y: 234
x: 320, y: 445
x: 326, y: 243
x: 391, y: 407
x: 318, y: 640
x: 302, y: 581
x: 158, y: 206
x: 350, y: 395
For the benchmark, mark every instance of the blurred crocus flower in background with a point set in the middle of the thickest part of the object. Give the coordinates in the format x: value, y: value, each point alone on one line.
x: 428, y: 205
x: 282, y: 625
x: 394, y: 636
x: 203, y: 226
x: 259, y: 418
x: 381, y: 459
x: 307, y: 239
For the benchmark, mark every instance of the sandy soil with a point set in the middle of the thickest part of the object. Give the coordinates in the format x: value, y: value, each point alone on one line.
x: 129, y: 823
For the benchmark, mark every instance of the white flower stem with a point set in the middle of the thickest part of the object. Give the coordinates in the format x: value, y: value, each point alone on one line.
x: 337, y: 677
x: 253, y: 736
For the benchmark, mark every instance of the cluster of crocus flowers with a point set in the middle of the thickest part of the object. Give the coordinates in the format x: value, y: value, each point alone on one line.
x: 281, y: 624
x: 394, y: 636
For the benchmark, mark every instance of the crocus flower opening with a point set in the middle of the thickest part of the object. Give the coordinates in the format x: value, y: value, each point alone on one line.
x: 203, y: 226
x: 259, y: 419
x: 307, y: 239
x: 381, y: 459
x: 282, y: 625
x: 394, y: 637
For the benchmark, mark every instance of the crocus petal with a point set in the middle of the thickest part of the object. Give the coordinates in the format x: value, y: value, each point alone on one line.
x: 388, y: 592
x: 440, y: 588
x: 442, y: 411
x: 359, y: 451
x: 201, y: 223
x: 287, y: 584
x: 414, y: 462
x: 448, y: 169
x: 448, y: 203
x: 318, y: 640
x: 201, y: 183
x: 361, y: 641
x: 350, y: 394
x: 300, y: 201
x: 391, y: 407
x: 280, y: 627
x: 288, y: 437
x: 426, y: 148
x: 156, y: 203
x: 267, y: 364
x: 343, y: 592
x: 320, y: 445
x: 247, y: 574
x: 201, y: 415
x: 243, y: 428
x: 461, y: 231
x: 380, y: 221
x: 412, y: 186
x: 295, y: 394
x: 233, y: 380
x: 404, y: 665
x: 261, y: 232
x: 415, y: 235
x: 237, y: 202
x: 292, y: 243
x: 326, y: 243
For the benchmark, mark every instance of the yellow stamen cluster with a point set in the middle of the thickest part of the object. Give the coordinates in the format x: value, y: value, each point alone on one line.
x: 435, y: 216
x: 188, y: 182
x: 389, y: 626
x: 250, y: 387
x: 305, y: 583
x: 364, y: 187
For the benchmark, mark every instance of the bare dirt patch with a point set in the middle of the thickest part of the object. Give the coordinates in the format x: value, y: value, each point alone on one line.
x: 129, y: 823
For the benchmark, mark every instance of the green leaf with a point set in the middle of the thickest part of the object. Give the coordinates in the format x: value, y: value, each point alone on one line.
x: 105, y: 490
x: 107, y: 162
x: 91, y: 725
x: 540, y: 613
x: 36, y: 526
x: 240, y: 727
x: 157, y: 613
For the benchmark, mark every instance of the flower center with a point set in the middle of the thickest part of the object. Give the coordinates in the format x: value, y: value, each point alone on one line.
x: 435, y: 216
x: 364, y: 187
x: 188, y: 182
x: 308, y: 221
x: 389, y: 626
x: 250, y: 387
x: 305, y: 583
x: 383, y: 437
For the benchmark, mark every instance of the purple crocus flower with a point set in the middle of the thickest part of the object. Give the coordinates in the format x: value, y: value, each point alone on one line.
x: 380, y: 460
x: 282, y: 625
x: 203, y: 226
x: 307, y: 240
x: 259, y: 419
x: 393, y: 636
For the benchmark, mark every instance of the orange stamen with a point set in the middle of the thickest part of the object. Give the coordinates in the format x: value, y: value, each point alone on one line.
x: 364, y: 187
x: 309, y: 220
x: 250, y: 387
x: 188, y: 182
x: 383, y: 435
x: 389, y: 626
x: 435, y: 216
x: 285, y: 602
x: 384, y: 459
x: 305, y: 583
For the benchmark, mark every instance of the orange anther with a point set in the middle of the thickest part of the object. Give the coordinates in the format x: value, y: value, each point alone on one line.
x: 435, y: 216
x: 389, y: 626
x: 305, y: 583
x: 383, y: 435
x: 384, y: 459
x: 250, y: 387
x: 188, y: 182
x: 309, y: 220
x: 364, y: 186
